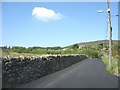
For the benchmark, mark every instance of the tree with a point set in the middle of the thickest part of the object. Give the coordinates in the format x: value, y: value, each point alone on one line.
x: 100, y: 46
x: 75, y: 46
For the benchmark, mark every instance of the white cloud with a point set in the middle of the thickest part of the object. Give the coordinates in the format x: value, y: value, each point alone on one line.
x: 45, y: 14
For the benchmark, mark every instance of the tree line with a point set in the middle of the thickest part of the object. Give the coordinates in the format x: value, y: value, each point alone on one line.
x: 91, y: 51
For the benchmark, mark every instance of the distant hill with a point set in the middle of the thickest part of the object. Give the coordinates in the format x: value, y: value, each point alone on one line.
x: 95, y: 43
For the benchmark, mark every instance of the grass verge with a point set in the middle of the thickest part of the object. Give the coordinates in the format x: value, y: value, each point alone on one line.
x: 115, y: 69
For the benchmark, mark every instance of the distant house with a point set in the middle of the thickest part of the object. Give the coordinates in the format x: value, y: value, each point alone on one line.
x: 64, y: 49
x: 81, y: 46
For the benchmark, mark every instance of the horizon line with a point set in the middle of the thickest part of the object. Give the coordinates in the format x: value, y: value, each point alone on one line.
x: 56, y: 45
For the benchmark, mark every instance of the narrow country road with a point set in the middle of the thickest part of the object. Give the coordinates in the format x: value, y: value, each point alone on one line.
x: 88, y: 73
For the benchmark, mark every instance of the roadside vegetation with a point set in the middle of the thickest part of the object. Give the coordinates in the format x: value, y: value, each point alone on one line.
x: 99, y: 50
x: 34, y: 51
x: 115, y: 69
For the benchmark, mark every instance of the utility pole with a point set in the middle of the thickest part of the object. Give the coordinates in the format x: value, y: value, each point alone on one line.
x: 110, y: 34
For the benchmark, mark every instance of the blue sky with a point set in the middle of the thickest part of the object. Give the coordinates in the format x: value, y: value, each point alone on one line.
x: 65, y: 24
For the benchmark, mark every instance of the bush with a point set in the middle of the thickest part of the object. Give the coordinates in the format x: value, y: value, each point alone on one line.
x: 91, y: 53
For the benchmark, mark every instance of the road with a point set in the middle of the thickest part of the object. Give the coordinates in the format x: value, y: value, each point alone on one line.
x: 84, y: 74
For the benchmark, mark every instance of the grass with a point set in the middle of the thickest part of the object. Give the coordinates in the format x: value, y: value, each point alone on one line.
x: 15, y: 54
x: 115, y: 69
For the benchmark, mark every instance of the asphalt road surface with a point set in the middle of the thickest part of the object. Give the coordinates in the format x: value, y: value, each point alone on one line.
x: 84, y: 74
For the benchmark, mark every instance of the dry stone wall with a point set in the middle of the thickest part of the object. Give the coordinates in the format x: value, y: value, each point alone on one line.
x: 17, y: 71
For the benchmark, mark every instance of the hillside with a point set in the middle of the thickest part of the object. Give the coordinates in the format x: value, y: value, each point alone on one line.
x: 94, y: 43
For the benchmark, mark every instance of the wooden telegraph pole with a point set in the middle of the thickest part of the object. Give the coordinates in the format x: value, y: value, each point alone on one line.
x: 110, y: 34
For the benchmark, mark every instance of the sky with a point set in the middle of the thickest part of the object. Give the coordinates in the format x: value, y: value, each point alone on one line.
x: 48, y: 24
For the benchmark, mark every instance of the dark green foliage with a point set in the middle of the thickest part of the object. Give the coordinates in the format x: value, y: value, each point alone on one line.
x: 54, y: 48
x: 20, y: 49
x: 75, y: 46
x: 115, y: 50
x: 37, y: 50
x: 91, y: 53
x: 100, y: 46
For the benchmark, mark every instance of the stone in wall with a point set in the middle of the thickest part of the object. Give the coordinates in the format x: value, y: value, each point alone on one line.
x: 17, y: 71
